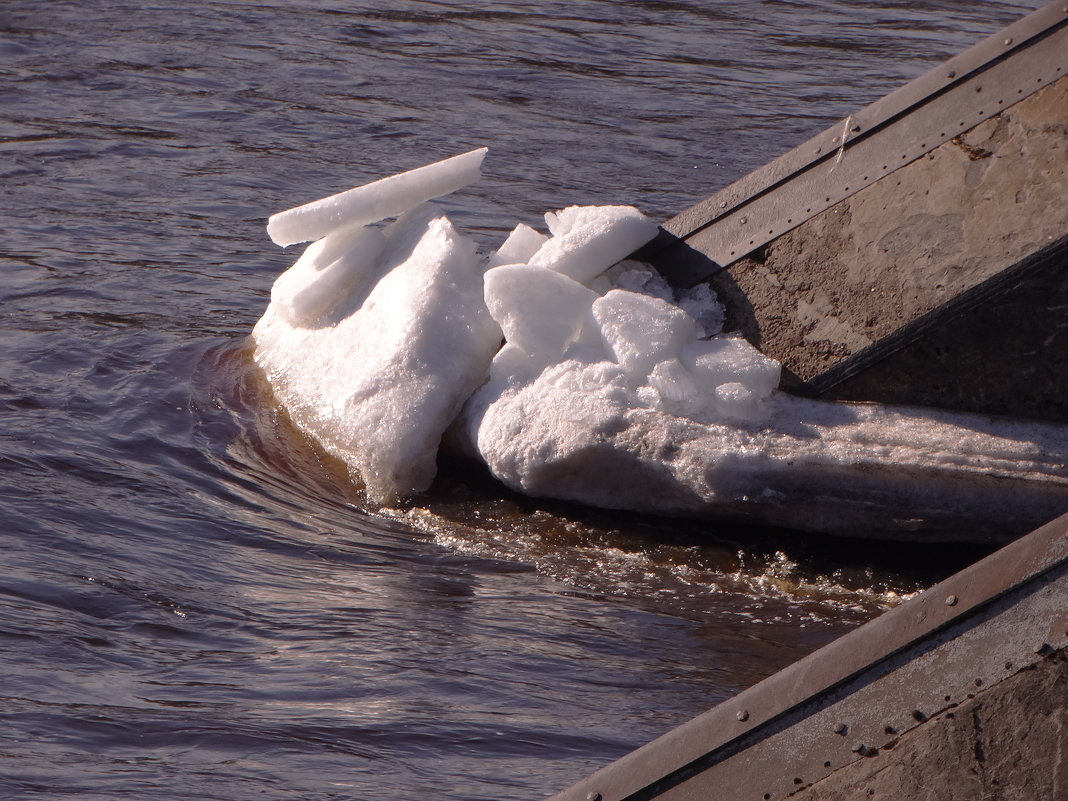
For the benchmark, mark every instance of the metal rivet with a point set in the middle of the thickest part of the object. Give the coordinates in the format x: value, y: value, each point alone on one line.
x: 1008, y: 42
x: 593, y: 797
x: 918, y: 716
x: 743, y: 221
x: 860, y: 748
x: 978, y: 682
x: 951, y: 600
x: 723, y: 204
x: 855, y: 129
x: 952, y: 74
x: 742, y: 715
x: 841, y: 728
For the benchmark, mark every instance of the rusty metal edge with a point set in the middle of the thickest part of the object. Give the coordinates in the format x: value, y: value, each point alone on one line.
x: 752, y: 714
x: 887, y: 700
x: 841, y: 136
x: 866, y: 162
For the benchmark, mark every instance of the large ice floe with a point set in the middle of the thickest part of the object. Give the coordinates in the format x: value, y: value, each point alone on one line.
x: 573, y: 373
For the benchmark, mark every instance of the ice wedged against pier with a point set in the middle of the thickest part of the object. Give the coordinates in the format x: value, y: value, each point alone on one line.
x: 574, y: 374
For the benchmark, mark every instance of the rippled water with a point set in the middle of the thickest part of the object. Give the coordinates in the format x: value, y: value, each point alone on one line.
x: 193, y: 602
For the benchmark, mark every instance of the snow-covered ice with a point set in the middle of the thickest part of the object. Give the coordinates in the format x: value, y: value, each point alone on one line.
x: 576, y: 374
x: 378, y: 382
x: 853, y: 470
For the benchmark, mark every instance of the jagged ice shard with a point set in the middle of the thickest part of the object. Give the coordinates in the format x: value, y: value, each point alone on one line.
x: 388, y: 197
x: 574, y: 374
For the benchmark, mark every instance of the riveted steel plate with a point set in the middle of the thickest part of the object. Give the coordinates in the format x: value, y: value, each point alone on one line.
x: 865, y: 689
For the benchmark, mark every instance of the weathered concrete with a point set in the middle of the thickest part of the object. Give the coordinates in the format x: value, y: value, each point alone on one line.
x: 1007, y: 357
x: 1008, y: 743
x: 898, y: 261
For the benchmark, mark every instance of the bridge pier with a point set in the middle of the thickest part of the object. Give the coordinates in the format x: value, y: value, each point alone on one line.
x: 917, y: 252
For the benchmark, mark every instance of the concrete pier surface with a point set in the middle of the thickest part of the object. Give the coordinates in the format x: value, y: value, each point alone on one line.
x: 917, y: 252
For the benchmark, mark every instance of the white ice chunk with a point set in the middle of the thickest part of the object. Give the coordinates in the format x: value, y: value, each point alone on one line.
x: 863, y: 470
x: 736, y: 401
x: 541, y: 312
x: 587, y: 240
x: 610, y: 400
x: 701, y: 303
x: 673, y: 381
x: 328, y: 271
x: 641, y: 330
x: 637, y: 277
x: 379, y: 387
x: 520, y: 245
x: 388, y: 197
x: 729, y: 359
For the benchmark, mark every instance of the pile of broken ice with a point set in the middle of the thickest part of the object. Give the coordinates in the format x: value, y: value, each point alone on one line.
x: 572, y: 373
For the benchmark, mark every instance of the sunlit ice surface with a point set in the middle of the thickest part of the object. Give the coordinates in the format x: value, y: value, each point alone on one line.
x: 572, y: 373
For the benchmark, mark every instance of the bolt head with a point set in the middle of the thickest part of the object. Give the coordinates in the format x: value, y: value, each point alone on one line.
x: 742, y: 714
x: 841, y: 728
x: 951, y: 600
x: 593, y: 797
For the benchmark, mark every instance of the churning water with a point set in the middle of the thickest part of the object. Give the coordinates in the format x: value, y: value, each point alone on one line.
x: 194, y: 603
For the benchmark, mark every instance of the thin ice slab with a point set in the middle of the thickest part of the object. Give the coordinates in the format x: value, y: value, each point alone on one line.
x: 380, y: 200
